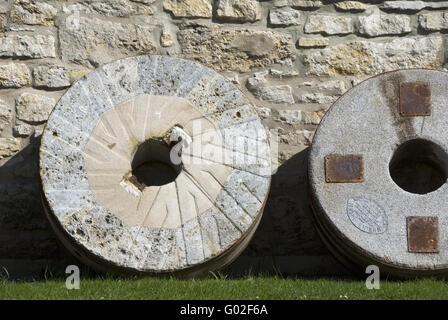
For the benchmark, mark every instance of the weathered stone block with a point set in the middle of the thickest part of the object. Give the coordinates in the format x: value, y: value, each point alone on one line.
x: 305, y: 137
x: 235, y: 49
x: 165, y: 39
x: 22, y: 129
x: 354, y: 6
x: 114, y: 8
x: 238, y: 10
x: 276, y: 73
x: 14, y: 75
x: 274, y: 94
x: 27, y: 46
x: 413, y: 5
x: 329, y: 25
x: 5, y: 116
x: 376, y: 24
x: 92, y: 41
x: 189, y: 8
x: 318, y: 97
x: 372, y: 57
x: 313, y: 117
x: 144, y: 1
x: 312, y: 42
x: 4, y: 4
x: 32, y: 12
x: 51, y: 77
x: 434, y: 21
x: 298, y: 3
x: 34, y: 107
x: 284, y: 16
x: 290, y: 116
x: 264, y: 112
x: 8, y: 147
x: 2, y: 22
x: 334, y: 86
x: 258, y: 79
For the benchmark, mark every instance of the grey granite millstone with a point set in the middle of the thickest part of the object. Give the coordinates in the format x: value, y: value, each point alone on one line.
x: 198, y: 222
x: 366, y: 222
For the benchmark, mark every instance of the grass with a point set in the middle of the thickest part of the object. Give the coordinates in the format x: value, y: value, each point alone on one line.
x: 252, y: 288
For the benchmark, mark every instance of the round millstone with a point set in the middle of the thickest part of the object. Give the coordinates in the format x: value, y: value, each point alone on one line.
x: 378, y: 169
x: 154, y: 164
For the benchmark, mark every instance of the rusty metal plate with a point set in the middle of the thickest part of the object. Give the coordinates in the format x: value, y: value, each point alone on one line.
x: 415, y: 99
x: 423, y: 234
x: 344, y: 168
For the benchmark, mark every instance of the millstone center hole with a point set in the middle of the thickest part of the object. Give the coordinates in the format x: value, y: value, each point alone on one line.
x: 152, y: 165
x: 419, y: 166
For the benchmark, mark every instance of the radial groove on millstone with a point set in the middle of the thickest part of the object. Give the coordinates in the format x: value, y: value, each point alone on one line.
x: 405, y: 160
x: 99, y: 205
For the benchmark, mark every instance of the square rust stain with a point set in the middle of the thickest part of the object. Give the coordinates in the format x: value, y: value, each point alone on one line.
x: 344, y: 168
x: 415, y: 99
x: 423, y: 234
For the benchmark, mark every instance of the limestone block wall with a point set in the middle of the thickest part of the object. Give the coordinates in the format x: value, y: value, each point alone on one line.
x: 292, y: 58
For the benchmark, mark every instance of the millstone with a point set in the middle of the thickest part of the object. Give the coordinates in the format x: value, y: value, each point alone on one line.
x: 378, y: 168
x: 154, y: 164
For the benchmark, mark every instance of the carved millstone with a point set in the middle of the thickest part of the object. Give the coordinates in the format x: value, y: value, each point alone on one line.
x: 136, y: 112
x: 395, y: 217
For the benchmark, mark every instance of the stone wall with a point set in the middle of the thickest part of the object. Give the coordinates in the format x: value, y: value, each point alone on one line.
x: 293, y: 58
